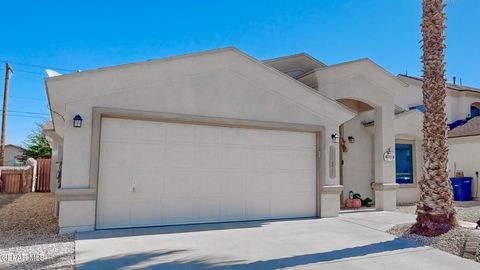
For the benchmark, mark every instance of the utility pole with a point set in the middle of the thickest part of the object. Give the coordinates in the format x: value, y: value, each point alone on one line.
x: 8, y: 71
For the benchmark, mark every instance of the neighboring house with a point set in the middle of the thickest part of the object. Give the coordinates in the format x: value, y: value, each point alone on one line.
x: 221, y: 136
x: 462, y: 109
x: 12, y: 155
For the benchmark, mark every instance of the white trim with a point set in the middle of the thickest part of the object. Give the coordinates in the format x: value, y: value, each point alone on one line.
x: 414, y: 163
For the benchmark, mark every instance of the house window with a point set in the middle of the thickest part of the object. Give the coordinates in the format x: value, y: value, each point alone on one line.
x: 474, y: 111
x: 404, y: 163
x: 418, y: 107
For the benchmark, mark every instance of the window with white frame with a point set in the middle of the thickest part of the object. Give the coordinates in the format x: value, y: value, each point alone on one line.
x: 405, y: 162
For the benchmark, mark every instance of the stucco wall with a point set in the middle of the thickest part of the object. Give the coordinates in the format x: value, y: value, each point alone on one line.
x: 465, y: 153
x: 460, y: 104
x: 358, y: 160
x: 457, y: 102
x: 410, y: 96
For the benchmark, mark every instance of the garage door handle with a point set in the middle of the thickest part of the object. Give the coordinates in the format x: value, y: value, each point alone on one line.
x: 133, y: 187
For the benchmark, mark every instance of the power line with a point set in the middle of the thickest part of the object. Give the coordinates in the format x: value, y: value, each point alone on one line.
x: 38, y: 113
x: 27, y: 98
x: 35, y: 65
x: 28, y: 71
x: 26, y: 116
x: 31, y: 72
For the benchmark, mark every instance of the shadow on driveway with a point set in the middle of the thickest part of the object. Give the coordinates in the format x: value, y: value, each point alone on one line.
x: 160, y: 260
x: 176, y: 229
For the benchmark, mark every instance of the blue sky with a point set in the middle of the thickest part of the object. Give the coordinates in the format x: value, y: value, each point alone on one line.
x: 89, y: 34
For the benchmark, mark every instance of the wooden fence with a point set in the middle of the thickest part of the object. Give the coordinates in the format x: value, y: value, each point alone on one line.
x: 18, y: 180
x: 43, y: 175
x: 12, y: 181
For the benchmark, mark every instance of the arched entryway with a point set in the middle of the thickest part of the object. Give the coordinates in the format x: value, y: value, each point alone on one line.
x: 367, y: 138
x: 356, y: 150
x: 363, y: 81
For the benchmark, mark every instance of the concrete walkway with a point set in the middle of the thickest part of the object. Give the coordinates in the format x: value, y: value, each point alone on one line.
x: 355, y: 241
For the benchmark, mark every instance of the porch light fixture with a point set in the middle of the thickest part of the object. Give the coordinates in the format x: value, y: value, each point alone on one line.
x: 389, y: 156
x: 335, y: 138
x: 77, y: 121
x: 351, y: 139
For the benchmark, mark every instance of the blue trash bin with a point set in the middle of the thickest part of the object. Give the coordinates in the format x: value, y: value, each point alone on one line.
x: 462, y: 188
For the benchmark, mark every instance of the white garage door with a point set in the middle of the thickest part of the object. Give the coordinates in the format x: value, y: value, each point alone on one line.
x: 155, y: 173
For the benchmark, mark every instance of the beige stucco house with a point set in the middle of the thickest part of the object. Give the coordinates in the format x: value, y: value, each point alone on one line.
x: 12, y: 155
x: 220, y: 136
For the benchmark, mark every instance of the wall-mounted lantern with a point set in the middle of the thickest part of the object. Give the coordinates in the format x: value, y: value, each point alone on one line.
x: 351, y: 139
x: 335, y: 138
x: 77, y: 121
x: 389, y: 156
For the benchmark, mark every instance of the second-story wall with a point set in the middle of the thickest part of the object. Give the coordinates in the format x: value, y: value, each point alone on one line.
x: 458, y: 102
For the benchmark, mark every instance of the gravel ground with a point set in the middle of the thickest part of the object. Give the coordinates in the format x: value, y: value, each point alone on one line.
x: 451, y: 242
x: 7, y: 198
x: 28, y: 235
x: 465, y: 212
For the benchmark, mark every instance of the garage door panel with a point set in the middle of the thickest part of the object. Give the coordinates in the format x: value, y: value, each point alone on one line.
x: 282, y: 205
x: 234, y: 137
x: 300, y: 203
x: 118, y: 178
x: 235, y: 158
x: 178, y: 210
x: 303, y: 181
x: 180, y: 156
x: 258, y: 158
x: 293, y: 139
x: 208, y: 157
x: 257, y: 182
x: 233, y: 207
x: 282, y: 159
x: 179, y: 184
x: 148, y: 155
x: 116, y: 214
x: 207, y: 209
x: 190, y: 173
x: 145, y: 213
x: 116, y: 196
x: 181, y: 133
x: 149, y: 182
x: 208, y: 135
x: 282, y: 181
x: 120, y: 155
x: 208, y: 183
x: 246, y: 137
x: 234, y: 182
x: 258, y: 207
x: 148, y: 131
x: 115, y: 129
x: 304, y: 160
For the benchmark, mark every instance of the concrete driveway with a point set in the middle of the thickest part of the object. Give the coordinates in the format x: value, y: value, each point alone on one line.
x: 355, y: 241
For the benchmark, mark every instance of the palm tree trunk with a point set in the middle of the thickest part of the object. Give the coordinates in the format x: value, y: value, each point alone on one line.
x: 435, y: 210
